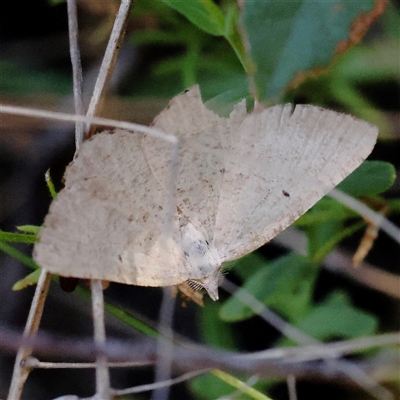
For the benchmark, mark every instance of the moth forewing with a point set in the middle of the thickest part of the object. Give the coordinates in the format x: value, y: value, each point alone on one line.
x: 239, y: 182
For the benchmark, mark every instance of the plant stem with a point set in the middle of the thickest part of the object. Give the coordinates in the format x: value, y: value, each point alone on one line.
x: 107, y: 66
x: 21, y: 372
x: 102, y: 373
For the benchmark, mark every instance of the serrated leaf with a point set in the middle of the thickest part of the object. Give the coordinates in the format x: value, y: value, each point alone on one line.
x: 205, y: 14
x: 370, y: 178
x: 289, y: 37
x: 291, y: 276
x: 31, y: 279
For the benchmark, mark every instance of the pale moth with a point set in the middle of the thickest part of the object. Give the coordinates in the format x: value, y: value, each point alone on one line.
x: 240, y: 181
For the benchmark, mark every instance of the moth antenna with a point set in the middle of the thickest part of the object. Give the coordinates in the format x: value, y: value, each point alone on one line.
x: 195, y: 285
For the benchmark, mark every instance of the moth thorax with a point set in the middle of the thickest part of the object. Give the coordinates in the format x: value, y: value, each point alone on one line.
x: 201, y: 258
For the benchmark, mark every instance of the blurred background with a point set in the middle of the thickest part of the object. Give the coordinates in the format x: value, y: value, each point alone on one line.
x: 163, y: 54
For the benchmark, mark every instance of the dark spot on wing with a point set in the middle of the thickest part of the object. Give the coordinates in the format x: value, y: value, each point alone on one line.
x: 285, y: 193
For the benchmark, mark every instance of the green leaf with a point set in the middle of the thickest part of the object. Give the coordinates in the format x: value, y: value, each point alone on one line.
x: 325, y: 237
x: 34, y: 229
x: 240, y: 385
x: 320, y: 234
x: 17, y: 237
x: 325, y: 210
x: 341, y: 85
x: 394, y: 205
x: 50, y: 184
x: 23, y: 80
x: 215, y: 385
x: 29, y: 280
x: 157, y: 36
x: 18, y: 255
x: 288, y: 277
x: 232, y: 35
x: 336, y: 318
x: 324, y: 225
x: 292, y: 36
x: 215, y: 331
x: 208, y: 386
x: 224, y: 102
x: 205, y: 14
x: 370, y: 178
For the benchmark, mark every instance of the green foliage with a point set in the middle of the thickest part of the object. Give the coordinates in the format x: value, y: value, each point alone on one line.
x: 218, y: 384
x: 210, y: 387
x: 18, y: 255
x: 209, y: 18
x: 29, y: 236
x: 249, y: 391
x: 50, y: 185
x: 289, y: 37
x: 369, y: 179
x: 340, y: 85
x: 246, y: 266
x: 21, y: 80
x: 322, y: 238
x: 29, y: 280
x: 393, y: 205
x: 287, y: 277
x: 215, y: 331
x: 17, y: 237
x: 205, y: 14
x: 32, y: 229
x: 337, y: 318
x: 215, y: 64
x: 325, y: 210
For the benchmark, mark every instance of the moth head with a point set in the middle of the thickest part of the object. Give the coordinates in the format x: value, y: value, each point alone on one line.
x: 209, y: 283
